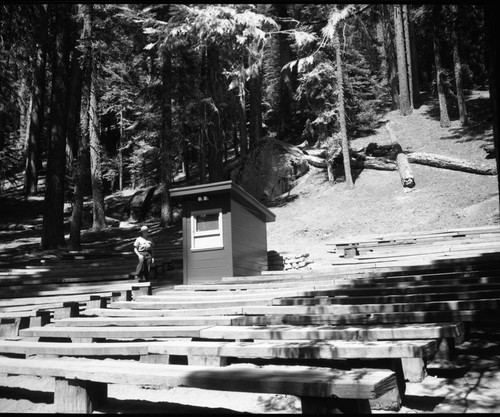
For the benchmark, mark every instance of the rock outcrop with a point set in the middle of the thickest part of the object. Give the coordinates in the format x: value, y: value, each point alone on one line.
x: 271, y: 169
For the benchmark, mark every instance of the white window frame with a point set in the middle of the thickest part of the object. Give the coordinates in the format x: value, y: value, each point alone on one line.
x: 195, y: 234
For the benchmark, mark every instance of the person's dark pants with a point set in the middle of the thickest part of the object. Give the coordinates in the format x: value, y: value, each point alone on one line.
x: 144, y: 265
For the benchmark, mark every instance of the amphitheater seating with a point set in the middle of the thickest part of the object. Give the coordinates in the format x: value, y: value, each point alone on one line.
x: 397, y: 316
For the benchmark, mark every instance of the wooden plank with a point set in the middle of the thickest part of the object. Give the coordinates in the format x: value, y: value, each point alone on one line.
x: 363, y: 276
x: 54, y: 299
x: 489, y: 246
x: 451, y: 261
x: 230, y: 287
x: 124, y: 312
x: 158, y: 305
x: 22, y: 347
x: 189, y: 299
x: 284, y: 282
x: 417, y: 293
x: 61, y: 279
x: 146, y: 321
x: 329, y: 309
x: 398, y: 244
x: 51, y: 290
x: 315, y: 382
x: 486, y: 316
x: 300, y: 349
x: 411, y: 235
x: 361, y: 332
x: 112, y: 332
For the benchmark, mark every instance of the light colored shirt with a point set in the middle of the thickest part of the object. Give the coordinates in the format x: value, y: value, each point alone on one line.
x: 143, y: 245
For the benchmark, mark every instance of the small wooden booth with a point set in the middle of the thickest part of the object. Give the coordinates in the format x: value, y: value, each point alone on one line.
x: 224, y: 231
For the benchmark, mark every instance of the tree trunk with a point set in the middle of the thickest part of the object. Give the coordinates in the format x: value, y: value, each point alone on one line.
x: 414, y: 65
x: 443, y: 108
x: 457, y: 64
x: 392, y: 63
x: 202, y: 163
x: 166, y: 140
x: 491, y: 34
x: 404, y: 95
x: 255, y: 98
x: 342, y: 116
x: 37, y: 107
x: 120, y: 152
x: 215, y: 135
x: 96, y: 151
x: 53, y: 218
x: 74, y: 100
x: 278, y: 81
x: 243, y: 113
x: 83, y: 155
x: 24, y: 111
x: 446, y: 162
x: 406, y: 33
x: 381, y: 46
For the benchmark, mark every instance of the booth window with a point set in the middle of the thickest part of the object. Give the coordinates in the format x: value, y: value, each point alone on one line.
x: 206, y: 230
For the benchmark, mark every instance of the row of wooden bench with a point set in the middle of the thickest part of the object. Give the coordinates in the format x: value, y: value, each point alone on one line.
x: 215, y: 316
x: 392, y: 238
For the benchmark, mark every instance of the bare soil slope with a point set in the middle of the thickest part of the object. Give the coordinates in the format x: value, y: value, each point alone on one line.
x: 316, y: 211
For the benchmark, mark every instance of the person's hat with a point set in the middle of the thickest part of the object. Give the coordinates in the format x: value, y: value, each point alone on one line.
x: 144, y: 228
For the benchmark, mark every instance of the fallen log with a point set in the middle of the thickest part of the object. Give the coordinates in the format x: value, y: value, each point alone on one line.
x: 370, y: 162
x: 316, y: 161
x: 318, y: 152
x: 405, y: 172
x: 446, y: 162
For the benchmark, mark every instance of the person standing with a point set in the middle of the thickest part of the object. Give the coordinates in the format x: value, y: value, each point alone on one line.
x: 143, y: 248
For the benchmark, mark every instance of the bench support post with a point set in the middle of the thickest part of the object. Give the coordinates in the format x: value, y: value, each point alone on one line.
x: 96, y: 301
x: 73, y: 396
x: 82, y: 340
x: 69, y: 309
x: 413, y: 369
x: 198, y: 360
x: 445, y: 348
x: 315, y: 405
x: 390, y: 401
x: 155, y: 358
x: 41, y: 318
x: 9, y: 327
x: 125, y: 295
x: 138, y: 291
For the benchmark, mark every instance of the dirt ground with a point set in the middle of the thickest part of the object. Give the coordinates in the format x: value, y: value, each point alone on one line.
x: 316, y: 211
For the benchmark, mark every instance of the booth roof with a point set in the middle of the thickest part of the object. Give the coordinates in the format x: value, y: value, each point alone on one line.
x: 223, y: 187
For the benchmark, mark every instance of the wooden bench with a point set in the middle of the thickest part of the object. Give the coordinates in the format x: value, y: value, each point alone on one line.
x: 63, y: 278
x: 283, y: 332
x: 406, y: 295
x: 360, y: 276
x: 411, y: 354
x: 80, y: 296
x: 20, y: 292
x: 81, y: 384
x: 353, y: 288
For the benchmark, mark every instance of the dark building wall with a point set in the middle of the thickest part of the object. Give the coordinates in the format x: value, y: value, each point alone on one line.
x: 249, y: 241
x: 207, y: 264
